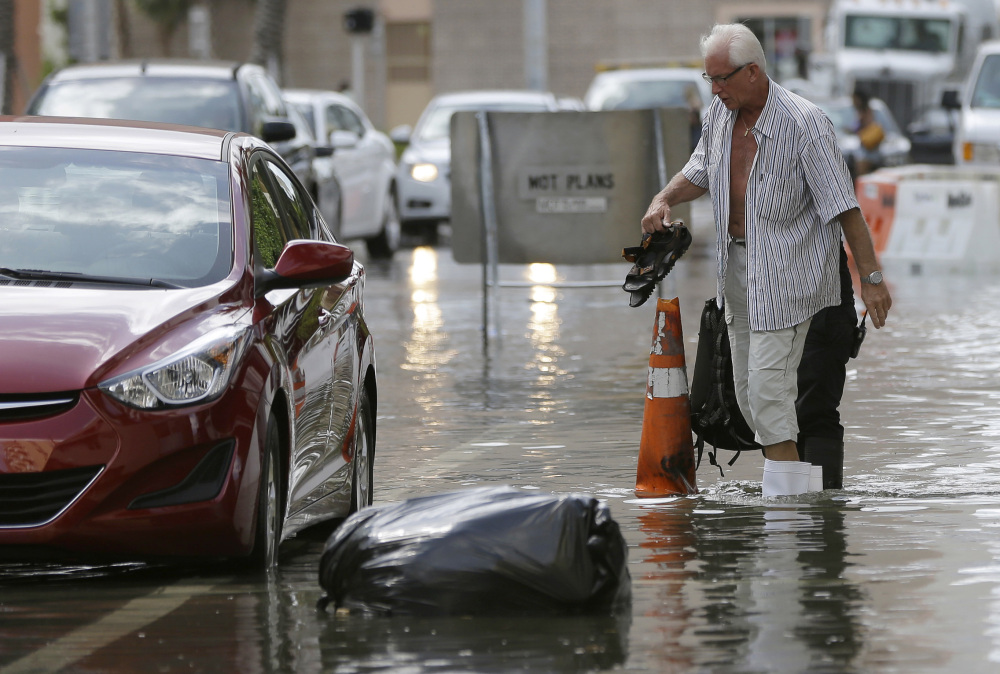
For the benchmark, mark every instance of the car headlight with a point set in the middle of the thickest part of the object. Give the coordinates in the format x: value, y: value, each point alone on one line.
x: 196, y: 374
x: 424, y: 172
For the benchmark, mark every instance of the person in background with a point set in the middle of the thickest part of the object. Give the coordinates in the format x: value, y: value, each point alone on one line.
x: 693, y: 99
x: 822, y: 375
x: 870, y: 135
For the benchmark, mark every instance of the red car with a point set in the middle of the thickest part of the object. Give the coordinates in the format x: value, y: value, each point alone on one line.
x: 185, y: 367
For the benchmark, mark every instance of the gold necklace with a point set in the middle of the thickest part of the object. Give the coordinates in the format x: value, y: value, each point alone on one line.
x: 748, y: 128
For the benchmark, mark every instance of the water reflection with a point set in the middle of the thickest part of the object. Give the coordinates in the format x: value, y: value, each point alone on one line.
x: 427, y: 347
x: 543, y: 334
x: 751, y: 588
x: 566, y: 644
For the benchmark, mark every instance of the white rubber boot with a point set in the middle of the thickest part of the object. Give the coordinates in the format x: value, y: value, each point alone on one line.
x: 816, y: 478
x: 785, y: 478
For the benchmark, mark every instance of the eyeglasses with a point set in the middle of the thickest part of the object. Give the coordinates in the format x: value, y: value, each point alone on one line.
x: 721, y: 80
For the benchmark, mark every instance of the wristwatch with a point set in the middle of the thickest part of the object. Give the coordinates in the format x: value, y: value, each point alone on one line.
x: 874, y: 278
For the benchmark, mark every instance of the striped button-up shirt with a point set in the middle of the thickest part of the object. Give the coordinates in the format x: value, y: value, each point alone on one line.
x: 798, y: 185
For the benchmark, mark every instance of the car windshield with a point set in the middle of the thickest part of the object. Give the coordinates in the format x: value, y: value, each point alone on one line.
x: 641, y: 94
x: 437, y: 123
x: 115, y: 214
x: 987, y: 91
x: 893, y: 32
x: 196, y: 102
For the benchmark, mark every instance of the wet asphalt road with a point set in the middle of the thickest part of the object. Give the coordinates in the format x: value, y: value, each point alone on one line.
x: 899, y: 572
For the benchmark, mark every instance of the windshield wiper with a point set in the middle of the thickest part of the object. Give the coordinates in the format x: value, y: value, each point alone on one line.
x: 78, y: 277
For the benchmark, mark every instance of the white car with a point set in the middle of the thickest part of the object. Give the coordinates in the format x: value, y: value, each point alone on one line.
x: 977, y: 136
x: 423, y: 177
x: 363, y: 160
x: 639, y: 88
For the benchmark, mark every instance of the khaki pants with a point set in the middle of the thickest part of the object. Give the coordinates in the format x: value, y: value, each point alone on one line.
x: 765, y: 363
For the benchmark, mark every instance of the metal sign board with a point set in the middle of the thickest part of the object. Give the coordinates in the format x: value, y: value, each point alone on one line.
x: 568, y: 187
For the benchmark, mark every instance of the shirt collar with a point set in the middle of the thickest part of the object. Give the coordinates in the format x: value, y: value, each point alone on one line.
x: 766, y: 122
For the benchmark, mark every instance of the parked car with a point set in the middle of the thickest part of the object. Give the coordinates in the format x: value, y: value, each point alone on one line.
x: 186, y: 369
x: 215, y: 94
x: 361, y: 160
x: 639, y: 88
x: 895, y: 147
x: 423, y: 177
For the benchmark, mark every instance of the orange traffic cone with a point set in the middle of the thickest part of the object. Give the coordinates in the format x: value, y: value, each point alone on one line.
x: 666, y: 451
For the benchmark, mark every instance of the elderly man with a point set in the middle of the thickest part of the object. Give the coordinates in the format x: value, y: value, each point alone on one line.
x: 782, y: 196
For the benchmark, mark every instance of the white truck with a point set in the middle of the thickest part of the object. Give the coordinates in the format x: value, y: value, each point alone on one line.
x: 977, y: 133
x: 906, y: 52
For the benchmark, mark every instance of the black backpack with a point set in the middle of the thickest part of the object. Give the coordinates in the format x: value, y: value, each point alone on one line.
x: 715, y: 414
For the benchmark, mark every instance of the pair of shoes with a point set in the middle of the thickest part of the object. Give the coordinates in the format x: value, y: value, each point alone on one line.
x: 653, y: 259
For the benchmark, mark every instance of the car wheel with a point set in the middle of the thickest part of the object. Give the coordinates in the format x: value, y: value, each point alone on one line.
x: 363, y: 474
x: 386, y: 242
x: 267, y: 531
x: 424, y: 231
x: 430, y: 234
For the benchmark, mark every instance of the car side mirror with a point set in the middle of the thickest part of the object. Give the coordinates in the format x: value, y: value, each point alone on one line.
x: 277, y: 130
x: 343, y: 140
x: 949, y: 100
x: 324, y: 151
x: 401, y: 134
x: 306, y: 263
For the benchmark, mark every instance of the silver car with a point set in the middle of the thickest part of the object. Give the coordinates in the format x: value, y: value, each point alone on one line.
x: 895, y: 147
x: 639, y: 88
x: 423, y: 176
x: 363, y: 161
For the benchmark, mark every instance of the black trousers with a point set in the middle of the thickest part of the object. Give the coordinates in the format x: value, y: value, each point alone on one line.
x: 823, y: 368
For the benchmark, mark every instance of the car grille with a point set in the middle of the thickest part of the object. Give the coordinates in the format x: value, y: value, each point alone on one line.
x: 899, y: 96
x: 24, y: 408
x: 33, y: 499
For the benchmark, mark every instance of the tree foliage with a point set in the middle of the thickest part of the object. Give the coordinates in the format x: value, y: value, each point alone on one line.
x: 168, y: 15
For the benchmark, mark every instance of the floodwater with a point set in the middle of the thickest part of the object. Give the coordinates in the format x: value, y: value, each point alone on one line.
x: 899, y: 572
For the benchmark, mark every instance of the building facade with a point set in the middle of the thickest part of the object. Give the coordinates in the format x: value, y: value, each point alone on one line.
x: 419, y: 48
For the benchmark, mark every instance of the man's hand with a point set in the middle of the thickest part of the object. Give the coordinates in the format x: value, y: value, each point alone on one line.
x: 859, y: 239
x: 877, y: 302
x: 657, y: 216
x: 677, y: 191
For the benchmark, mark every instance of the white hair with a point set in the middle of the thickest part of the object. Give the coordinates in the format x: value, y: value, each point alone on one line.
x: 741, y: 44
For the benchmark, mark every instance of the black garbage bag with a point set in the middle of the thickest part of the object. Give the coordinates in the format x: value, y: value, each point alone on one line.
x: 485, y: 551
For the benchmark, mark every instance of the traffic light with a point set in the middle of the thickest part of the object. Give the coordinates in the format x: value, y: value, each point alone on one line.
x: 359, y: 20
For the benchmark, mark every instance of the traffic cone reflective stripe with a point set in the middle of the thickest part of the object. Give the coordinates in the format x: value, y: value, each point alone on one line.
x: 666, y: 450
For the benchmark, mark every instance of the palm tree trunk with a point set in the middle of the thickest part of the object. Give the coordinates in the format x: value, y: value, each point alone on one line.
x: 10, y: 60
x: 268, y: 35
x: 124, y: 30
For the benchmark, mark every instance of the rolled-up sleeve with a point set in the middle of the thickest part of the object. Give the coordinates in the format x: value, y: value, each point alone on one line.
x: 827, y: 176
x: 696, y: 169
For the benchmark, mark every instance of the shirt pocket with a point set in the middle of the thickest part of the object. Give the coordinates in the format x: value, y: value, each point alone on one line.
x: 779, y: 198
